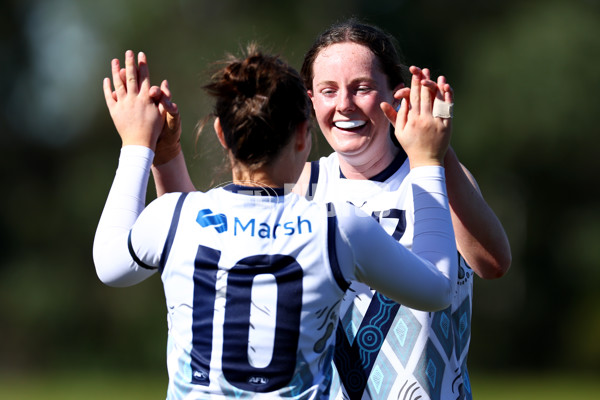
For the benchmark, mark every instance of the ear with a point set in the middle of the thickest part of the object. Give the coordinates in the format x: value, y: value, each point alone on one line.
x: 219, y: 132
x: 310, y: 95
x: 303, y: 138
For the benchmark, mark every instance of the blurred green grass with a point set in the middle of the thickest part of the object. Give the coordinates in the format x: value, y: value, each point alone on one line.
x: 88, y: 385
x: 535, y: 386
x: 115, y: 386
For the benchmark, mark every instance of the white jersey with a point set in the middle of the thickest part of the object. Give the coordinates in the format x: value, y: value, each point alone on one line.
x: 254, y: 278
x: 385, y: 350
x: 244, y: 282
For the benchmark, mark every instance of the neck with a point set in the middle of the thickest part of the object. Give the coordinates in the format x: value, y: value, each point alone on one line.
x: 282, y: 170
x: 359, y: 169
x: 258, y: 177
x: 276, y: 174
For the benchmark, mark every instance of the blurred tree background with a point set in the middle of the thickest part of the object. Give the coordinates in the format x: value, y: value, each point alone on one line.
x: 526, y: 82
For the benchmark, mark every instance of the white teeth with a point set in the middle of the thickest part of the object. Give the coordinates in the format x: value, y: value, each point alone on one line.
x: 348, y: 124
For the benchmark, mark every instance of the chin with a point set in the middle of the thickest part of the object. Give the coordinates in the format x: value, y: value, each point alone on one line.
x: 349, y: 147
x: 349, y: 151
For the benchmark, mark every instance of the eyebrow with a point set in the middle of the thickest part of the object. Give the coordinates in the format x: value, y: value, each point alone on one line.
x: 353, y: 81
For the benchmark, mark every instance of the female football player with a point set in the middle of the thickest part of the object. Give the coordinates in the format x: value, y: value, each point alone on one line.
x: 253, y: 276
x: 349, y: 71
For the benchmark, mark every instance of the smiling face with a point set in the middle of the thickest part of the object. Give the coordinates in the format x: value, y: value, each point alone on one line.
x: 348, y: 88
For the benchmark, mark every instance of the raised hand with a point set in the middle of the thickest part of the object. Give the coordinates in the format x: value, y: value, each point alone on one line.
x: 136, y: 116
x: 168, y: 145
x: 424, y: 136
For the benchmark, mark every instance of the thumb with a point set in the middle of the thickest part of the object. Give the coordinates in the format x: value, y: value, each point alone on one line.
x: 173, y: 122
x: 389, y: 112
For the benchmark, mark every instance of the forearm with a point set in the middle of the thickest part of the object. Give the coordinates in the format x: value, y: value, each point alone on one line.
x: 125, y: 202
x: 172, y: 176
x: 424, y: 278
x: 479, y: 234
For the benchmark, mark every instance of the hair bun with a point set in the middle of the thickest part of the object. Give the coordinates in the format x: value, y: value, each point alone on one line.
x: 260, y: 101
x: 246, y: 87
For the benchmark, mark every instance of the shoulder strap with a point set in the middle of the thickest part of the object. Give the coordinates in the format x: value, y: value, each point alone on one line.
x: 172, y: 231
x: 332, y: 250
x: 314, y: 180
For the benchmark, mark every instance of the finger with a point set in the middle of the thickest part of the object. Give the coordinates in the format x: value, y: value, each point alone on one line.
x: 131, y: 72
x: 448, y: 93
x: 448, y: 98
x: 169, y: 106
x: 415, y: 89
x: 428, y: 90
x: 426, y: 73
x: 414, y: 69
x: 108, y: 93
x: 164, y: 86
x: 441, y: 82
x: 447, y: 122
x: 402, y: 114
x: 144, y: 73
x: 117, y: 81
x: 123, y: 75
x: 166, y: 100
x: 173, y: 122
x: 155, y: 94
x: 402, y: 93
x: 390, y: 112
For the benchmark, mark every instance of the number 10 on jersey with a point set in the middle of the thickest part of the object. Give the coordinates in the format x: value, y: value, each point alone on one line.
x: 236, y: 366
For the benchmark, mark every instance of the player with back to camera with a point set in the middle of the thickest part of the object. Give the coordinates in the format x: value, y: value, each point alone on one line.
x: 351, y: 68
x: 254, y: 277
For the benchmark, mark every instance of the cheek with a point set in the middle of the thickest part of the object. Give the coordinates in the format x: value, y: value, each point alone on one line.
x: 322, y: 109
x: 373, y: 107
x: 370, y: 108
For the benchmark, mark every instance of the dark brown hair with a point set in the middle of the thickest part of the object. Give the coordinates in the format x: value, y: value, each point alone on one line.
x: 383, y: 46
x: 260, y: 102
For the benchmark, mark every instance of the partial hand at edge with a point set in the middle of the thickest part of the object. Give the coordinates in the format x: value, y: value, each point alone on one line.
x: 134, y: 113
x: 168, y: 145
x: 425, y: 138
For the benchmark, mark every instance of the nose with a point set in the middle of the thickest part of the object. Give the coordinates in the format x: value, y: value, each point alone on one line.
x: 345, y: 101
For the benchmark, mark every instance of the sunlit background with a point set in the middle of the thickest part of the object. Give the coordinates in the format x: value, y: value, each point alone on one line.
x: 527, y: 91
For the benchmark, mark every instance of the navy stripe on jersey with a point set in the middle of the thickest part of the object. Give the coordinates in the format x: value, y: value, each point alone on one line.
x: 314, y: 179
x: 172, y: 231
x: 333, y: 260
x: 355, y: 361
x: 134, y: 256
x: 389, y: 170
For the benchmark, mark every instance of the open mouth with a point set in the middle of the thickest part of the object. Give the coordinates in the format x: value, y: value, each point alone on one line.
x: 349, y: 125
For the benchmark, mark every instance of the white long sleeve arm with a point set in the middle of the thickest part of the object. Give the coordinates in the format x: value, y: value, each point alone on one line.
x: 124, y: 204
x: 422, y: 279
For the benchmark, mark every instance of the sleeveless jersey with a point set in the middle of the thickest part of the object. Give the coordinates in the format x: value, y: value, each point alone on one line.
x: 245, y: 286
x: 385, y: 350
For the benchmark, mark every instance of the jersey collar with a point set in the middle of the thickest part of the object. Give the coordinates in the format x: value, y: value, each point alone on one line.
x: 389, y: 170
x: 255, y: 190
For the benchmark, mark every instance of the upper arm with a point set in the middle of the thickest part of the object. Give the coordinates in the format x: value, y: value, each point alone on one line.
x: 480, y: 236
x: 117, y: 250
x: 149, y: 233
